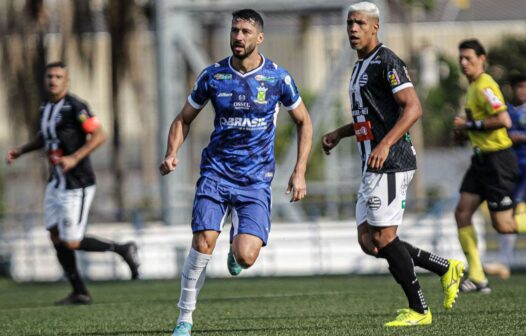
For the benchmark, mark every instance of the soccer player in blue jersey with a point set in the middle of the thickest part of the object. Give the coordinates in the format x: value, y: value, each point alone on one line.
x: 237, y: 166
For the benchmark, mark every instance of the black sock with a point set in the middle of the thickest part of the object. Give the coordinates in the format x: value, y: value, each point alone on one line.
x: 67, y: 260
x: 92, y: 244
x: 426, y: 260
x: 402, y: 268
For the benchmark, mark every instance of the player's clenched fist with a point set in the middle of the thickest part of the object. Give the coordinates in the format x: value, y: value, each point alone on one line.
x: 168, y: 165
x: 329, y: 141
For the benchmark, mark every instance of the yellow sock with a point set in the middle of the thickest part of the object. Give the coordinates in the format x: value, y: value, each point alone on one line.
x: 468, y: 241
x: 520, y: 219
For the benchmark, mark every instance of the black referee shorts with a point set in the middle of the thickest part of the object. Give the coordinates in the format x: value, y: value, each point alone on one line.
x: 492, y: 176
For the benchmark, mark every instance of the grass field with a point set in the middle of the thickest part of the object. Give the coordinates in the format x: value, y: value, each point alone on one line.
x: 342, y: 305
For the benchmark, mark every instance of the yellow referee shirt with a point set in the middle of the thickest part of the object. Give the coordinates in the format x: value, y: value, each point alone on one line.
x: 483, y: 100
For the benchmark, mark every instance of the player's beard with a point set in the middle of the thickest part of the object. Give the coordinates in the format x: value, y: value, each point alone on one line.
x: 248, y: 51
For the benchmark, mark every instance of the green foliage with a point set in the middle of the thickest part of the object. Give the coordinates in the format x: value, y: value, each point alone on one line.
x: 507, y: 59
x: 442, y: 104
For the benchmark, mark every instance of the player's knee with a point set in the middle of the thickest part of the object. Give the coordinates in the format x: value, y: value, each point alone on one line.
x: 462, y: 215
x: 72, y: 245
x: 246, y: 259
x: 368, y: 248
x: 508, y: 229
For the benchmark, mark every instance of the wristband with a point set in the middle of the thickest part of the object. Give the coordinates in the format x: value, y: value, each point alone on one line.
x: 475, y: 125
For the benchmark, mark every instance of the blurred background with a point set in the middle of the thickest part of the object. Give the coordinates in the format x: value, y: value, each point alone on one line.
x: 135, y: 61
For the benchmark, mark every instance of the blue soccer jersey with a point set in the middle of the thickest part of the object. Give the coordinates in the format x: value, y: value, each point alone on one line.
x: 241, y: 148
x: 518, y: 120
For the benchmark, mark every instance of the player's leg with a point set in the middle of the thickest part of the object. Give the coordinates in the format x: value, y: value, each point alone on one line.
x: 208, y: 217
x: 384, y: 198
x: 53, y: 214
x: 77, y: 203
x: 250, y: 226
x: 466, y: 207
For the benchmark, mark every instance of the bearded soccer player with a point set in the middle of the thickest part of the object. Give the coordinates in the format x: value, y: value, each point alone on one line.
x: 69, y: 133
x: 384, y: 107
x: 237, y: 166
x: 493, y: 172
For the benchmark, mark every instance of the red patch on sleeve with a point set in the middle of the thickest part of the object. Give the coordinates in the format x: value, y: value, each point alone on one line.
x: 91, y: 125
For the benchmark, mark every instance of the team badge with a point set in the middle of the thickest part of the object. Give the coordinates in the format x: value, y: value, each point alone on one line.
x: 374, y: 203
x: 393, y: 78
x: 262, y: 95
x: 363, y: 79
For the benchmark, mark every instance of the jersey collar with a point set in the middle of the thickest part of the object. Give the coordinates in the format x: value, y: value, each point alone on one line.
x: 372, y: 52
x: 248, y: 73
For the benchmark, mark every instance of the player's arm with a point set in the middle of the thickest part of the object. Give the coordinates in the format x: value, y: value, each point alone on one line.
x: 96, y: 137
x: 176, y: 136
x: 408, y: 100
x: 495, y: 121
x: 331, y: 139
x: 36, y: 143
x: 297, y: 184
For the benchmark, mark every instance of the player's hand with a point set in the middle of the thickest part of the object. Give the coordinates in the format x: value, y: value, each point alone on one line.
x: 459, y: 123
x: 378, y: 156
x: 13, y: 154
x: 329, y: 141
x: 168, y: 165
x: 68, y: 162
x: 297, y: 187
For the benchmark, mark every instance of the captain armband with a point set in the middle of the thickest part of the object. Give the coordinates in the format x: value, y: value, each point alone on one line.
x: 91, y: 125
x: 475, y: 125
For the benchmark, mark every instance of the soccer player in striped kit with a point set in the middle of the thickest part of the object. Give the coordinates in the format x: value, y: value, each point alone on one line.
x: 384, y: 106
x: 69, y: 133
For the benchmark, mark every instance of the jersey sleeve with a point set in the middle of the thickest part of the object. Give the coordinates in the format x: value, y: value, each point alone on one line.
x: 87, y: 119
x: 491, y: 98
x: 290, y: 97
x: 396, y: 74
x: 200, y: 93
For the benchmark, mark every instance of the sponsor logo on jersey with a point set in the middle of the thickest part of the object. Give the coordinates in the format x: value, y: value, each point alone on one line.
x: 492, y: 98
x: 262, y: 78
x: 363, y: 79
x: 360, y: 111
x: 224, y: 94
x: 393, y: 78
x: 374, y: 202
x: 220, y: 76
x: 243, y: 123
x: 241, y: 104
x: 262, y: 93
x: 362, y: 131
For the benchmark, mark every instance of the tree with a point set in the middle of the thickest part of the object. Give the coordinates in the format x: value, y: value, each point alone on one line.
x: 507, y: 59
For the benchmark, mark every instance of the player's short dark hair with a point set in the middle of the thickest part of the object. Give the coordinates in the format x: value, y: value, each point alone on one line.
x: 517, y: 79
x: 473, y: 44
x: 57, y: 64
x: 249, y: 15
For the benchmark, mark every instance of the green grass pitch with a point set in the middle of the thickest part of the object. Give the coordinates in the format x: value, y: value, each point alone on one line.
x: 323, y: 305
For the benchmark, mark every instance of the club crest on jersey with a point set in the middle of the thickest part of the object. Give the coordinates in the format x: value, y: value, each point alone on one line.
x: 262, y: 93
x: 393, y: 78
x: 363, y: 79
x: 220, y: 76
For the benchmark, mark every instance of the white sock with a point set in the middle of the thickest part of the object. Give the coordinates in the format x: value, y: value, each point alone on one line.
x: 507, y: 245
x: 192, y: 280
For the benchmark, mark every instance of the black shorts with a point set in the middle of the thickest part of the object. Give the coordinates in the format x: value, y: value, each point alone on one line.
x: 492, y: 176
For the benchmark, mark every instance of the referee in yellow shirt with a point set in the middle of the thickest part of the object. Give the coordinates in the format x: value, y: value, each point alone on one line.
x: 493, y: 171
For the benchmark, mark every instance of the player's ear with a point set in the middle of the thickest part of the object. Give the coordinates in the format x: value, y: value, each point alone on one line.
x: 261, y: 37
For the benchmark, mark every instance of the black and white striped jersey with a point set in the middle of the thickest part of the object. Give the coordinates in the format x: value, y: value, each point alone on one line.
x: 375, y: 79
x: 61, y: 127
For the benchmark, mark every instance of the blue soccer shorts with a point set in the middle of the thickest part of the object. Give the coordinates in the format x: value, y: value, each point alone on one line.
x: 250, y: 208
